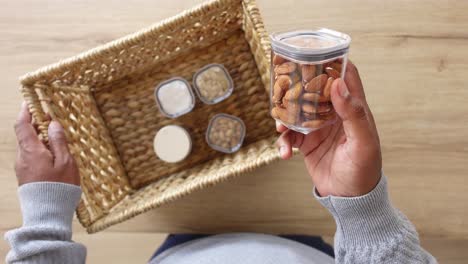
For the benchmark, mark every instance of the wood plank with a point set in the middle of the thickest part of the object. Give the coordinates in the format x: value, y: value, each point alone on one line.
x: 451, y: 251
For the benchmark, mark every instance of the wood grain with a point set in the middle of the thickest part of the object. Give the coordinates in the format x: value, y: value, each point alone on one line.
x: 413, y: 60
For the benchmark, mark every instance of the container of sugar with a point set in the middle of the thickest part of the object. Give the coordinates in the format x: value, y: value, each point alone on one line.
x: 174, y: 97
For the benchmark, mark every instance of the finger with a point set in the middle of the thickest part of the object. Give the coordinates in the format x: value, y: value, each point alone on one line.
x: 353, y: 111
x: 24, y: 116
x: 353, y: 80
x: 288, y: 140
x: 25, y: 132
x: 284, y: 145
x: 280, y: 127
x: 58, y: 142
x: 354, y: 83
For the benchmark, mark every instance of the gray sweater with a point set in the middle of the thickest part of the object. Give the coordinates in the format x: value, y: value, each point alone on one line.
x: 369, y: 230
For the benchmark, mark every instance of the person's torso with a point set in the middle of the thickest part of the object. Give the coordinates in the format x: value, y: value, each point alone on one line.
x: 242, y: 248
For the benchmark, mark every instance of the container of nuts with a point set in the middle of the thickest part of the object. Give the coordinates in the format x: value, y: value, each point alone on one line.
x: 225, y: 133
x: 213, y: 83
x: 304, y: 64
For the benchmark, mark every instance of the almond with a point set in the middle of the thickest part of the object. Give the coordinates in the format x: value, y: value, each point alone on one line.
x: 277, y: 60
x: 283, y: 115
x: 327, y: 90
x: 337, y: 66
x: 309, y: 108
x: 322, y: 116
x: 281, y: 86
x: 308, y: 72
x: 284, y: 102
x: 313, y: 123
x: 295, y: 77
x: 285, y: 68
x: 309, y: 116
x: 315, y: 97
x: 294, y: 110
x: 319, y: 108
x: 316, y: 84
x: 294, y: 93
x: 327, y: 116
x: 332, y: 72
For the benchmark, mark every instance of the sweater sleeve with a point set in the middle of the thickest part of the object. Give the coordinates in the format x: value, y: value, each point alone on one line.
x: 45, y: 236
x: 371, y: 230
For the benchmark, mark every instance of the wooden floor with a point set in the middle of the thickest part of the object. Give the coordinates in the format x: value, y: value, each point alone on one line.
x: 413, y: 58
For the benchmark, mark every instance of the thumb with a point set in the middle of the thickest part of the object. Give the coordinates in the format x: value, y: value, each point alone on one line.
x: 57, y: 141
x: 353, y: 111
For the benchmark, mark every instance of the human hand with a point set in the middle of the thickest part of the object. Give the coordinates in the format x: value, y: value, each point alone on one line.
x: 35, y: 162
x: 343, y: 159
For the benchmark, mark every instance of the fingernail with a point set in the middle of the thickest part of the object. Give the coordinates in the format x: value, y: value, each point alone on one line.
x: 343, y: 89
x: 54, y: 126
x: 282, y: 151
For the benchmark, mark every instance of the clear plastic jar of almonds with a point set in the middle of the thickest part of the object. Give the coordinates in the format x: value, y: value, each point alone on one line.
x: 304, y: 64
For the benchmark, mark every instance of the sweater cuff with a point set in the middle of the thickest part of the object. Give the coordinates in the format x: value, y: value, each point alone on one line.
x: 49, y: 203
x: 364, y: 220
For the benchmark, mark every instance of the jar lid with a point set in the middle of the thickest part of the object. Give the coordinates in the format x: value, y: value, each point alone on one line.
x: 172, y: 143
x: 310, y: 45
x: 225, y: 133
x: 174, y: 97
x: 213, y: 83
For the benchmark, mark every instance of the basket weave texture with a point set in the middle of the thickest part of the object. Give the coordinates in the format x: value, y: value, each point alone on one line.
x: 104, y: 100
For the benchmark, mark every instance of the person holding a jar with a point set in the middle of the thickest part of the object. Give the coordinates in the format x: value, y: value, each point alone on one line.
x: 342, y: 155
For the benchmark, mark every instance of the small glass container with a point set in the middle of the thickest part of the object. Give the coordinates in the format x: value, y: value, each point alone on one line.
x: 213, y: 83
x: 304, y: 65
x: 174, y: 97
x: 225, y: 133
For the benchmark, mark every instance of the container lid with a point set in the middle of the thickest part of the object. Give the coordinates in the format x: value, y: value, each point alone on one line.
x: 310, y: 45
x: 213, y: 83
x: 225, y: 133
x: 172, y: 143
x: 174, y: 97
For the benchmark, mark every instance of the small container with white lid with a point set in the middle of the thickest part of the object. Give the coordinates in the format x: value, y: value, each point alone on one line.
x: 213, y: 83
x: 304, y: 65
x: 174, y: 97
x: 225, y: 133
x: 172, y: 143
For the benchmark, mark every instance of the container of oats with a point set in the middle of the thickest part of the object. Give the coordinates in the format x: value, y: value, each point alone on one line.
x: 213, y: 83
x: 225, y: 133
x: 304, y: 65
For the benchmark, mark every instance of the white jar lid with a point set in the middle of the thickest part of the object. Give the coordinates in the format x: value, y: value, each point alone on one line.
x: 172, y: 143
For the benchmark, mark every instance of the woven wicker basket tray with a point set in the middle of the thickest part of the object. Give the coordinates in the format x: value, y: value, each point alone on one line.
x: 104, y: 99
